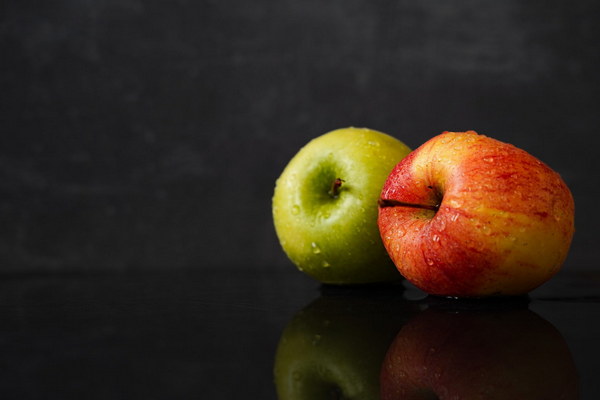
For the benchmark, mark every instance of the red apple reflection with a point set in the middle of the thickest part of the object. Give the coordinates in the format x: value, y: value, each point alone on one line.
x: 483, y: 355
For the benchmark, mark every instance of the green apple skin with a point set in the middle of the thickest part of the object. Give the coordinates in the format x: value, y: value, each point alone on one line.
x: 333, y: 235
x: 334, y: 347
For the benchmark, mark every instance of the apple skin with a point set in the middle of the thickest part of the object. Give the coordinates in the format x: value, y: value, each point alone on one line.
x: 504, y: 224
x: 335, y: 238
x: 479, y: 355
x: 335, y: 346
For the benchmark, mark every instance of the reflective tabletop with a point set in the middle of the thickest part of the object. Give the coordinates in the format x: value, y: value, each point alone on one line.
x: 273, y: 333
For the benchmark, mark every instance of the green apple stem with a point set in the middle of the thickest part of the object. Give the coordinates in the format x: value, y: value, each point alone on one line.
x: 334, y: 192
x: 383, y: 203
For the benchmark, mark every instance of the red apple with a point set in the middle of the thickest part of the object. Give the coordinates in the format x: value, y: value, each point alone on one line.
x: 466, y: 215
x: 475, y: 355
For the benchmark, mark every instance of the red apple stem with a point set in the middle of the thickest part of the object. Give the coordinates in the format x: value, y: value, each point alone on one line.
x: 383, y: 203
x: 335, y: 187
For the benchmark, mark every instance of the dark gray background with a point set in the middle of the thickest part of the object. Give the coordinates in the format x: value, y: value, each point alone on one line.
x: 146, y: 134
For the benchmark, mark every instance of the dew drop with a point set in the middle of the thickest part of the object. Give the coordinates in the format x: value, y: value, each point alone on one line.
x: 315, y: 248
x: 325, y: 264
x: 454, y: 217
x: 429, y: 261
x: 442, y: 225
x: 316, y: 339
x: 455, y: 203
x: 295, y: 209
x: 435, y: 238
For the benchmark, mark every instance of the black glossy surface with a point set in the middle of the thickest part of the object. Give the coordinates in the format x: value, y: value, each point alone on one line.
x: 213, y: 334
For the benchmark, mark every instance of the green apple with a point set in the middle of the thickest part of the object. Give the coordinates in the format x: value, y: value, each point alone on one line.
x: 334, y: 347
x: 325, y: 206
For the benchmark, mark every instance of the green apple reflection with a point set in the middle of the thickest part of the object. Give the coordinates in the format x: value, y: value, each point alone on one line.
x: 470, y: 354
x: 334, y: 347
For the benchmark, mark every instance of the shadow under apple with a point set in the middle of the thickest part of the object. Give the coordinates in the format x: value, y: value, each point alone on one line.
x: 334, y: 347
x: 478, y: 354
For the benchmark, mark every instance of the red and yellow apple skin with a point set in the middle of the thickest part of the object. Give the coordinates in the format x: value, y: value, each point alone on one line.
x: 479, y: 355
x: 466, y: 215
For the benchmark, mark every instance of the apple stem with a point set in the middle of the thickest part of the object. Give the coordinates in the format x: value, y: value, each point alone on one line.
x: 383, y: 203
x: 335, y: 188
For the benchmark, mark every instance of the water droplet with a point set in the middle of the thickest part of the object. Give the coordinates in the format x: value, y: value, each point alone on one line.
x: 316, y: 339
x: 455, y: 203
x: 315, y: 248
x: 454, y: 217
x: 325, y: 264
x: 488, y: 159
x: 373, y: 143
x: 295, y: 209
x: 429, y: 261
x: 441, y: 225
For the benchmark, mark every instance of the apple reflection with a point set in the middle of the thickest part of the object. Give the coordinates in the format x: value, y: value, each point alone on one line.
x: 478, y: 354
x: 335, y: 346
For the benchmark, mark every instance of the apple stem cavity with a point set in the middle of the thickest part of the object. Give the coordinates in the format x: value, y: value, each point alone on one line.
x: 334, y: 192
x: 383, y: 203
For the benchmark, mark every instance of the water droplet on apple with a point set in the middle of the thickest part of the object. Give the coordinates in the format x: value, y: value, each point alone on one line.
x: 316, y: 339
x: 441, y: 225
x: 315, y: 248
x: 373, y: 143
x: 455, y: 203
x: 325, y: 264
x: 435, y: 238
x: 454, y: 217
x: 429, y: 261
x: 488, y: 159
x: 295, y: 209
